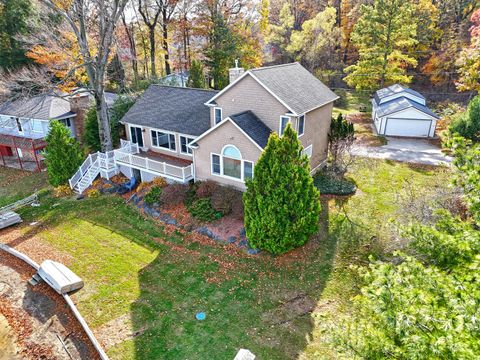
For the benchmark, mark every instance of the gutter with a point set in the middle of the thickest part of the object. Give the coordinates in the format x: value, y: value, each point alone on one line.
x: 67, y: 298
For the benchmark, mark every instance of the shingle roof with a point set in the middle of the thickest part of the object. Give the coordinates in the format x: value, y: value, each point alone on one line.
x: 395, y: 89
x: 43, y: 107
x: 171, y: 108
x: 253, y: 126
x: 295, y: 86
x: 400, y: 104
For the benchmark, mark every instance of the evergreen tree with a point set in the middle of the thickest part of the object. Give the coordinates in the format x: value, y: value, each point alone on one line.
x: 116, y: 73
x: 383, y: 35
x: 63, y: 154
x: 220, y: 51
x: 467, y: 124
x: 91, y: 137
x: 14, y: 15
x: 282, y: 205
x: 196, y: 77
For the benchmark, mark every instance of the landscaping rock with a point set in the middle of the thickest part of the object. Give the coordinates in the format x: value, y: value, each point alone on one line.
x: 253, y: 251
x: 232, y: 239
x: 206, y: 232
x: 243, y: 233
x: 243, y: 243
x: 171, y: 221
x: 80, y: 197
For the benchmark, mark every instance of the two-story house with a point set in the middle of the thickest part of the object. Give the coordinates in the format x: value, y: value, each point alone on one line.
x: 24, y: 123
x: 183, y: 133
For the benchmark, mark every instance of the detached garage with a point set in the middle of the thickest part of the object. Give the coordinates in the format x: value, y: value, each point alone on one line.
x: 398, y: 111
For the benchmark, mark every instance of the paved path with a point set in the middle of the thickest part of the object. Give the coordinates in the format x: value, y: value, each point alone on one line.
x: 417, y: 151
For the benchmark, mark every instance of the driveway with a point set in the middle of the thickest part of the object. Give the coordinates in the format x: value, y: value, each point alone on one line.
x: 417, y: 151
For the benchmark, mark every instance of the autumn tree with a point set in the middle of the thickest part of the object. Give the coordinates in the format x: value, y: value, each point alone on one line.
x: 383, y: 34
x: 14, y: 22
x: 282, y: 205
x: 150, y: 11
x: 316, y: 43
x: 102, y: 17
x: 469, y: 59
x: 279, y: 33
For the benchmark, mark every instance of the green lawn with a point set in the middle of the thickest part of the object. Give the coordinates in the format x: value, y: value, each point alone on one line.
x: 159, y: 279
x: 352, y: 101
x: 16, y: 184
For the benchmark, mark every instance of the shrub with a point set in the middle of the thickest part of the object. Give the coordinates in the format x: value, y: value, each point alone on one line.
x: 202, y: 209
x: 160, y: 182
x: 153, y: 195
x: 206, y: 189
x: 62, y: 190
x: 282, y: 205
x: 92, y: 193
x: 174, y: 194
x: 332, y: 185
x: 62, y: 154
x: 468, y: 124
x: 227, y: 200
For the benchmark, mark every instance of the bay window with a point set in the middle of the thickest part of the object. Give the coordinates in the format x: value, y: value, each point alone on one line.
x: 218, y: 115
x: 283, y: 124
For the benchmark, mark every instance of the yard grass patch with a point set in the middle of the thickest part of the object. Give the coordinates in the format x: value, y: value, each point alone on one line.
x: 160, y: 278
x: 17, y: 184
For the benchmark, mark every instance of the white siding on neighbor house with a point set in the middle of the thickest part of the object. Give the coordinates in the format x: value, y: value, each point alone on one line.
x: 410, y: 122
x: 32, y: 126
x: 402, y: 94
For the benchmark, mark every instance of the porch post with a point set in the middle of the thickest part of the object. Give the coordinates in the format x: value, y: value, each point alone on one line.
x: 18, y: 155
x: 35, y: 154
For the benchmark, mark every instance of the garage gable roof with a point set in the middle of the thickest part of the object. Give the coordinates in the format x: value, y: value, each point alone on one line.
x: 401, y: 104
x: 395, y: 89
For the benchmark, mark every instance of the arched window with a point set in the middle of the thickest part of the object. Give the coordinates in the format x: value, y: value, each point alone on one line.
x: 232, y: 162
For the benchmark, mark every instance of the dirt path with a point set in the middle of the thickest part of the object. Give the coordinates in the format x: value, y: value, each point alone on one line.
x: 37, y: 322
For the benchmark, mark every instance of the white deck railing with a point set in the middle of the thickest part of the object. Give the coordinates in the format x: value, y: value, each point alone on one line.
x: 157, y: 167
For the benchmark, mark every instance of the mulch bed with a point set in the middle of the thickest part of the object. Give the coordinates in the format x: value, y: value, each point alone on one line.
x: 42, y: 315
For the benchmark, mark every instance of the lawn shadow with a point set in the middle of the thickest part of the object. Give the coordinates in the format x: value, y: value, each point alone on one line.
x: 259, y: 302
x: 262, y: 303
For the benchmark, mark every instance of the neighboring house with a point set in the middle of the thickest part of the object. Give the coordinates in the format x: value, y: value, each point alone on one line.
x: 180, y: 79
x: 23, y: 126
x: 400, y: 111
x: 25, y: 123
x: 184, y: 133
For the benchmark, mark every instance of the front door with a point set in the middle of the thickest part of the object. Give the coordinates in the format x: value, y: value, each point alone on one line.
x: 136, y: 135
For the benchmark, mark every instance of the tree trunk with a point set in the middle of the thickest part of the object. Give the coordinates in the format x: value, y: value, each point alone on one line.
x: 165, y: 41
x: 104, y: 130
x: 133, y: 49
x: 151, y: 36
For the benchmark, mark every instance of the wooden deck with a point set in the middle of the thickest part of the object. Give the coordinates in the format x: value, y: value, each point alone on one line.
x: 172, y: 160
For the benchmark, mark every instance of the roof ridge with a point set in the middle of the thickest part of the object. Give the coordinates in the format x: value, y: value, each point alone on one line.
x: 274, y: 66
x: 183, y: 87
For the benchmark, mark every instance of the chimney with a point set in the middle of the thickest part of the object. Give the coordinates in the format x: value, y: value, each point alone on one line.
x: 79, y: 104
x: 235, y: 72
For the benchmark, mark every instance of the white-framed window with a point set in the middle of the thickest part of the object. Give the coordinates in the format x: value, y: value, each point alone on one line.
x: 308, y: 151
x: 66, y: 122
x: 283, y: 124
x: 247, y: 170
x: 216, y: 168
x: 184, y: 141
x: 230, y: 164
x: 163, y: 140
x: 218, y: 115
x: 301, y: 125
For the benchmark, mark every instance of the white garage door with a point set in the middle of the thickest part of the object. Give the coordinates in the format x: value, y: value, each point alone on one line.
x: 407, y: 127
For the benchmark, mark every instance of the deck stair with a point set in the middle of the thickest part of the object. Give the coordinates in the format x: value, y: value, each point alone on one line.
x: 95, y: 164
